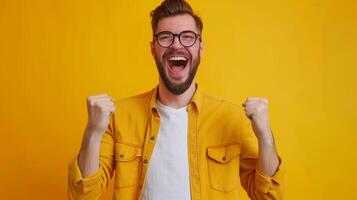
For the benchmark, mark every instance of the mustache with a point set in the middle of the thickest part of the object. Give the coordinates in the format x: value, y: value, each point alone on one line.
x: 175, y: 52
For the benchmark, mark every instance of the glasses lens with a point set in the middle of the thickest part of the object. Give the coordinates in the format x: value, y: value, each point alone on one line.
x: 187, y: 38
x: 165, y: 39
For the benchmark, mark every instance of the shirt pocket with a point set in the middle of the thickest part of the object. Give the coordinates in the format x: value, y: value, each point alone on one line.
x: 223, y: 166
x: 127, y: 158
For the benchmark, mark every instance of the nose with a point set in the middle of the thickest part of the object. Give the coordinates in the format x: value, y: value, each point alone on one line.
x: 176, y: 43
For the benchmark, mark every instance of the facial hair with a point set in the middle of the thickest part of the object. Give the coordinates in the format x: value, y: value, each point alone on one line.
x: 180, y: 88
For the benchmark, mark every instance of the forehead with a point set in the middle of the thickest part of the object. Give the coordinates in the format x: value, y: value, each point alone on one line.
x: 176, y: 24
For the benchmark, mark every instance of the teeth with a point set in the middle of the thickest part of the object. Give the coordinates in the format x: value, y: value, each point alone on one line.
x: 177, y: 58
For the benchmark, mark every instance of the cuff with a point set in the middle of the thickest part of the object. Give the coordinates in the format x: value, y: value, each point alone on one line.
x: 265, y: 183
x: 88, y: 183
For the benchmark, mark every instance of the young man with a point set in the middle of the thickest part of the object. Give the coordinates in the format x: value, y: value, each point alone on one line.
x: 174, y: 142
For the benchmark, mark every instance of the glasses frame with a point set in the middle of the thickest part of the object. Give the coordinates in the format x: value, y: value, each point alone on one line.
x: 197, y: 36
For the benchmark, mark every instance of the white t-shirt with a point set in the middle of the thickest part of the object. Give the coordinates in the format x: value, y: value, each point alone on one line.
x: 168, y: 173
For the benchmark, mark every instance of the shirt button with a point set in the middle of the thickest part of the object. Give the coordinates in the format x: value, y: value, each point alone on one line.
x: 121, y: 155
x: 145, y: 161
x: 152, y: 138
x: 224, y: 158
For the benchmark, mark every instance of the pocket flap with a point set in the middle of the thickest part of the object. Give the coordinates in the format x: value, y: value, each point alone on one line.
x: 224, y: 154
x: 124, y: 152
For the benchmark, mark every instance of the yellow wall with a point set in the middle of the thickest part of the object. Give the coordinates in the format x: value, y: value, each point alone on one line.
x: 299, y: 54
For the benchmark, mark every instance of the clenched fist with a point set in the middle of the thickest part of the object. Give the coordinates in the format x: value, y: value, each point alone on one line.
x: 99, y: 109
x: 256, y: 109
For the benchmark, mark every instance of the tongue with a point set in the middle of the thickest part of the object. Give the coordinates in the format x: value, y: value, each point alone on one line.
x: 177, y: 68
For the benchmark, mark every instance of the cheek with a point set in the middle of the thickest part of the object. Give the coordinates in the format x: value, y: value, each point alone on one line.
x: 156, y: 51
x: 159, y: 53
x: 195, y: 52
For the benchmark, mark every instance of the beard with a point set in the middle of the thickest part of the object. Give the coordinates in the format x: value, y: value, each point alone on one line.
x: 177, y: 88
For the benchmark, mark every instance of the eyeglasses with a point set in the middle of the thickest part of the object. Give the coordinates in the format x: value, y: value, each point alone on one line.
x: 186, y: 38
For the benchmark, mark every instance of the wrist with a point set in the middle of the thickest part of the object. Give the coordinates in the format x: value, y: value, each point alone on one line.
x: 92, y: 137
x: 92, y: 131
x: 266, y: 138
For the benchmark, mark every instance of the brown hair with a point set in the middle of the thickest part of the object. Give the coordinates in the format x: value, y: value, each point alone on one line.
x: 171, y: 8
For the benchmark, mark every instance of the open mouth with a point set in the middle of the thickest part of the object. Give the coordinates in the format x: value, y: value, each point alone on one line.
x: 177, y: 62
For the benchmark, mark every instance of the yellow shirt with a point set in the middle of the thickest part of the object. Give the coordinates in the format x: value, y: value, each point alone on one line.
x: 222, y: 152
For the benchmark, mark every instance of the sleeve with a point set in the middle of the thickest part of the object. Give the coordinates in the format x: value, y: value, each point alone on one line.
x: 93, y: 186
x: 257, y: 185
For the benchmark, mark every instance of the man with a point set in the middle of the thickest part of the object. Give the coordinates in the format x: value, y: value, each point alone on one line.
x: 174, y: 142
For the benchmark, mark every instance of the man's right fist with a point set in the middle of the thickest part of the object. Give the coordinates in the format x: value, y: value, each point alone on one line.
x: 99, y: 109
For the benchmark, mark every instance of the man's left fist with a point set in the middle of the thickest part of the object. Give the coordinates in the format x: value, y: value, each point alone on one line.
x: 256, y: 109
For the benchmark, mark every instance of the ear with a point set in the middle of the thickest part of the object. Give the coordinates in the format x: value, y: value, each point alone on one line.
x: 152, y: 48
x: 201, y: 48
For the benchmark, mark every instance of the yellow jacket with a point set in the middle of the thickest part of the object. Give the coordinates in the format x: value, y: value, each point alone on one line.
x: 223, y: 152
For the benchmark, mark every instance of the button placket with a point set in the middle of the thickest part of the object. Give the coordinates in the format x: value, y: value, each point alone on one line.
x: 151, y: 135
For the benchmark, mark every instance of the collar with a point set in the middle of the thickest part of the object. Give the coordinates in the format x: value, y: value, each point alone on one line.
x: 195, y: 100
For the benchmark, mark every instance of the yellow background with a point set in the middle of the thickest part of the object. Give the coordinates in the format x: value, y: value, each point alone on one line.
x: 301, y: 55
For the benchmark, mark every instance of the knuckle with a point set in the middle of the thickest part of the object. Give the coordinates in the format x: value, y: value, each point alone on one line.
x: 90, y: 103
x: 96, y: 104
x: 89, y: 98
x: 264, y: 100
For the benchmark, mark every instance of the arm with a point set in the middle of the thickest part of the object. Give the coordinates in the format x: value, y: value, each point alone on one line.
x: 268, y: 157
x: 261, y: 173
x: 91, y: 171
x: 88, y: 158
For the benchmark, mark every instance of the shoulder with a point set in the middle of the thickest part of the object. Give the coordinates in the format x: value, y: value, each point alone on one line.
x: 134, y: 105
x: 212, y: 102
x: 221, y: 109
x: 136, y: 100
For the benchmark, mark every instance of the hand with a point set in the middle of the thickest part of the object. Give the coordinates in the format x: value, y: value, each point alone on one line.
x: 256, y: 109
x: 99, y: 109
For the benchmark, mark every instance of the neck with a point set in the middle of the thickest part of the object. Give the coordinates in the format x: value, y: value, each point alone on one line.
x: 175, y: 101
